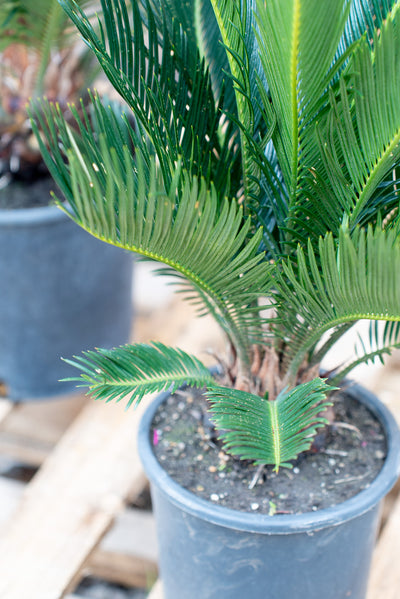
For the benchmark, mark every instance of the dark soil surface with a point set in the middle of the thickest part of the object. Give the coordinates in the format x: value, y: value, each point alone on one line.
x: 348, y: 455
x: 27, y: 195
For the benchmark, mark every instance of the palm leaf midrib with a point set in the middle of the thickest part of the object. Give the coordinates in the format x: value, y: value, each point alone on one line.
x: 168, y: 377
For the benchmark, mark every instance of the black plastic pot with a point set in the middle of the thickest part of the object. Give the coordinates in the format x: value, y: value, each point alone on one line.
x: 62, y: 291
x: 211, y: 552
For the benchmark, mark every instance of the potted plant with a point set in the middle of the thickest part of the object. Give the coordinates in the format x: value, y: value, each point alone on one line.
x: 264, y: 177
x: 61, y: 290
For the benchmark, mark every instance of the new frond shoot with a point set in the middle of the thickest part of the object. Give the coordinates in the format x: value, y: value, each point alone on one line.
x: 263, y: 175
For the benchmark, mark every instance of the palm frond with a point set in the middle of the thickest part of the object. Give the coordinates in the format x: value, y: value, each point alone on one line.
x: 269, y: 432
x: 124, y: 201
x: 358, y: 279
x: 132, y: 371
x: 165, y: 84
x: 360, y: 139
x: 236, y: 21
x: 22, y: 21
x: 298, y: 68
x: 201, y: 28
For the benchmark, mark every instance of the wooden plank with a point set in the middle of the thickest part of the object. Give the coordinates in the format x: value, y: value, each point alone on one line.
x: 128, y: 553
x: 133, y: 533
x: 130, y: 571
x: 30, y: 431
x: 5, y: 408
x: 10, y: 495
x: 71, y: 502
x: 385, y: 576
x: 157, y: 591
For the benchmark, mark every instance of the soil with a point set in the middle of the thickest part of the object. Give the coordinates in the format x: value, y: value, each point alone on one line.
x: 345, y: 458
x: 20, y: 194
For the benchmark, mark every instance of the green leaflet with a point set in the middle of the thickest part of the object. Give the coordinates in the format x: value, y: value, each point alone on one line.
x: 269, y: 432
x: 132, y: 371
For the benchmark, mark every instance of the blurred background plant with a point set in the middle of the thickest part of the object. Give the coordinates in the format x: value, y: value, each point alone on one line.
x: 38, y: 57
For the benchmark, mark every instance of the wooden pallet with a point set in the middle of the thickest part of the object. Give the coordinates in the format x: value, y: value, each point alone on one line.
x: 72, y: 519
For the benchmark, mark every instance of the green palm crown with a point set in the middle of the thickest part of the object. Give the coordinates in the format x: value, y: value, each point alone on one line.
x: 264, y: 173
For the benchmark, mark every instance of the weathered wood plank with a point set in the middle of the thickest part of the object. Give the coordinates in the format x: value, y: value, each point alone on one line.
x: 385, y: 575
x: 157, y: 591
x: 128, y: 553
x: 10, y: 495
x: 5, y: 408
x: 29, y: 431
x: 70, y: 503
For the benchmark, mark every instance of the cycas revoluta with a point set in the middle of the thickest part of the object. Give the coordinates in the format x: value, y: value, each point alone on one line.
x: 266, y: 153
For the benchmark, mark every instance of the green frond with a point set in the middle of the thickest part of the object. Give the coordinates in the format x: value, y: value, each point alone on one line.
x: 132, y: 371
x: 261, y: 166
x: 269, y: 432
x: 297, y: 62
x: 165, y: 83
x: 359, y: 141
x: 357, y: 279
x: 366, y: 16
x: 236, y: 22
x: 123, y: 200
x: 27, y: 22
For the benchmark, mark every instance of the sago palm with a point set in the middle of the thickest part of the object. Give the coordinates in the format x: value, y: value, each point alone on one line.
x: 264, y: 176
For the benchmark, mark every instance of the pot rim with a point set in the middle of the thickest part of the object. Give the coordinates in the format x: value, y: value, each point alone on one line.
x: 279, y: 523
x: 38, y: 215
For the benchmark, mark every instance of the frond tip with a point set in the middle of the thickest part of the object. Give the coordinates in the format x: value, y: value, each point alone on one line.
x: 131, y: 371
x: 265, y: 431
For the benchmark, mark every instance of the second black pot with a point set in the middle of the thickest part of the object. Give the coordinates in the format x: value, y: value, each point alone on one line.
x: 62, y: 291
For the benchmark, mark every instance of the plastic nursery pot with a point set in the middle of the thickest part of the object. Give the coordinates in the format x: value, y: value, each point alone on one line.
x: 212, y: 552
x: 62, y: 291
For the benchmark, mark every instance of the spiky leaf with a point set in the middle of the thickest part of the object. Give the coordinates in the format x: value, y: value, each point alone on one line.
x: 358, y: 279
x: 122, y: 199
x: 132, y: 371
x: 269, y: 432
